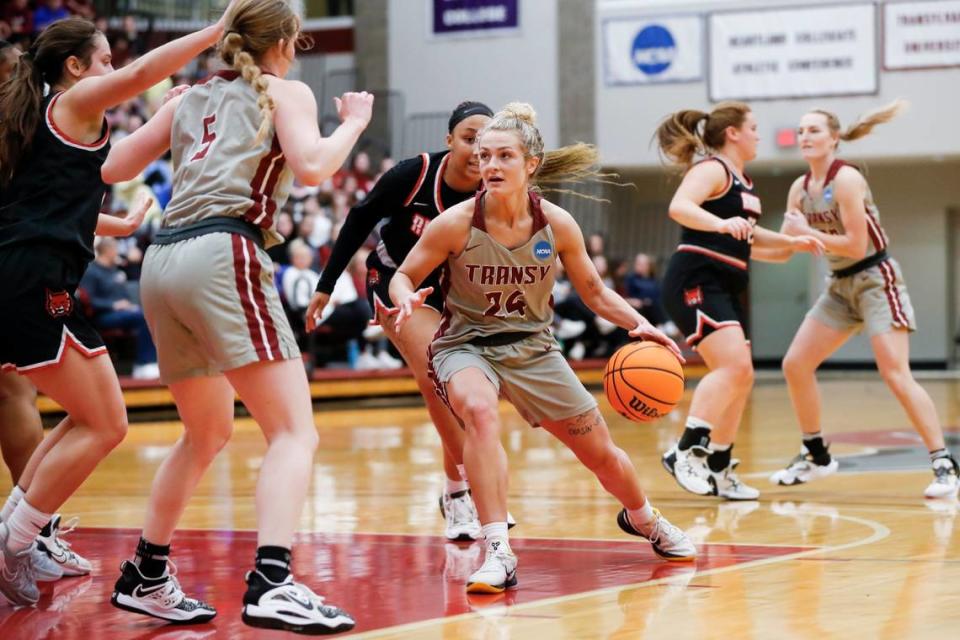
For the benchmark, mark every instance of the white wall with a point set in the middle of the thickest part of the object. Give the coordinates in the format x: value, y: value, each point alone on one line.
x: 437, y: 74
x: 929, y: 128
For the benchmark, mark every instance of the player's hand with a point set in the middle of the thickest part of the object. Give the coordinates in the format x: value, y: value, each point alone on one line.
x: 810, y: 244
x: 315, y: 310
x: 739, y: 228
x: 135, y: 217
x: 412, y: 302
x: 222, y: 22
x: 357, y: 107
x: 173, y: 93
x: 646, y: 331
x: 795, y: 224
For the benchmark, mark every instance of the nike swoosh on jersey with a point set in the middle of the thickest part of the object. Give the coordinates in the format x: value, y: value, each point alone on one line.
x: 471, y: 248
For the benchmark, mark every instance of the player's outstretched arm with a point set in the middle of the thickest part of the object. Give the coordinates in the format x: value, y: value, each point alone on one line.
x: 90, y: 97
x: 129, y: 157
x: 310, y: 156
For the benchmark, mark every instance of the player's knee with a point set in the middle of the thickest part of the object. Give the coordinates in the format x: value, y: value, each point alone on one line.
x: 741, y: 372
x: 897, y: 378
x: 213, y: 439
x: 112, y: 430
x: 480, y: 414
x: 795, y: 366
x: 605, y: 462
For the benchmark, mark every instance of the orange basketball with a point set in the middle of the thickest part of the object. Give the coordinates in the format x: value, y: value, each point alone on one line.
x: 643, y: 381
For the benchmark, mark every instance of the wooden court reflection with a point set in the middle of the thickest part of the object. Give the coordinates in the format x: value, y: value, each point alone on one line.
x: 856, y: 555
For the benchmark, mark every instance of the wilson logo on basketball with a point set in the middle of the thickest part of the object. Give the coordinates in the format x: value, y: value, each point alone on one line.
x: 641, y: 407
x: 59, y: 303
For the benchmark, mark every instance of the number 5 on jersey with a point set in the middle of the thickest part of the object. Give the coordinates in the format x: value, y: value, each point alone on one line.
x: 209, y: 135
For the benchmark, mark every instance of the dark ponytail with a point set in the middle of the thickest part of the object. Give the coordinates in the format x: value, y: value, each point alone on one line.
x: 22, y: 95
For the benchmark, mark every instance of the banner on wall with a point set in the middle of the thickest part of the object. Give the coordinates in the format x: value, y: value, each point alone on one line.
x: 793, y: 52
x: 921, y: 35
x: 652, y: 50
x: 474, y: 17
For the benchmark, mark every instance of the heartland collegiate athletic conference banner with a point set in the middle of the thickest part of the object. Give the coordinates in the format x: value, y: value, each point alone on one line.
x: 474, y: 17
x: 793, y: 52
x: 652, y: 50
x: 921, y: 35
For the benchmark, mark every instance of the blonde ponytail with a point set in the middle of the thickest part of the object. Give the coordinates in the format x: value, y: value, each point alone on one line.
x: 865, y: 123
x: 576, y: 163
x: 253, y: 27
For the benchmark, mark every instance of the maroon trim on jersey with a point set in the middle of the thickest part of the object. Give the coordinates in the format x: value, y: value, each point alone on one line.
x: 436, y: 184
x: 262, y: 185
x: 425, y: 157
x: 478, y: 220
x: 63, y: 137
x: 246, y: 267
x: 539, y: 218
x: 877, y: 236
x: 834, y: 169
x: 893, y: 295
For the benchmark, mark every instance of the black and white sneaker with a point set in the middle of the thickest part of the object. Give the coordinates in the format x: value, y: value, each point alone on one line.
x: 158, y: 597
x: 290, y: 606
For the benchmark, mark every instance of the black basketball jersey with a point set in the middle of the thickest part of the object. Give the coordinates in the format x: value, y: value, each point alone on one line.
x: 408, y: 196
x: 737, y: 200
x: 56, y: 194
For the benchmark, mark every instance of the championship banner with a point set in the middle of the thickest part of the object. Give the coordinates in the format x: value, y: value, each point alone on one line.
x: 793, y: 53
x: 921, y: 35
x: 652, y: 50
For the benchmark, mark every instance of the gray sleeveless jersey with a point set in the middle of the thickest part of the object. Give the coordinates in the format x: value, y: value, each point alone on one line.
x: 218, y: 170
x: 823, y: 214
x: 491, y: 289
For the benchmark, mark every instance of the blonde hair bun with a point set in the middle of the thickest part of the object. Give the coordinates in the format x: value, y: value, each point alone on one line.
x: 521, y: 111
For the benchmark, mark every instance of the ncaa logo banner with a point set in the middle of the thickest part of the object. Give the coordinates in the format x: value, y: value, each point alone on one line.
x: 652, y: 50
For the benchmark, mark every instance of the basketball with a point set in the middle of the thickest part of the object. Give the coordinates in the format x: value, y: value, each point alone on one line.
x: 643, y: 381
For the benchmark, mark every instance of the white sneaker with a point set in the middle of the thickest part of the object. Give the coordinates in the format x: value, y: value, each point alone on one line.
x: 18, y: 580
x: 72, y: 563
x: 499, y: 570
x: 463, y: 523
x: 729, y: 486
x: 690, y: 469
x: 945, y: 481
x: 567, y: 329
x: 44, y: 566
x: 668, y: 541
x: 367, y: 361
x: 373, y: 332
x: 387, y: 361
x: 148, y: 371
x: 803, y: 469
x: 577, y: 351
x: 158, y: 597
x: 290, y: 606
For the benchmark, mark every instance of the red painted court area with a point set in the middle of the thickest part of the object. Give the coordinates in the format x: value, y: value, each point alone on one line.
x: 383, y: 580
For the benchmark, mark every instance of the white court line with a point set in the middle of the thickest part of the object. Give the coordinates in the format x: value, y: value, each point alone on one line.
x: 879, y: 533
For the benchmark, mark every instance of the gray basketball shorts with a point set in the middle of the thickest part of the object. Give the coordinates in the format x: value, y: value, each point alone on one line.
x: 212, y: 306
x: 531, y: 373
x: 874, y: 301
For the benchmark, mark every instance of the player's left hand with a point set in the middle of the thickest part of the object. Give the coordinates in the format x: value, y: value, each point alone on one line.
x: 795, y: 224
x: 810, y: 244
x: 135, y: 216
x: 173, y: 93
x: 413, y: 302
x: 646, y: 331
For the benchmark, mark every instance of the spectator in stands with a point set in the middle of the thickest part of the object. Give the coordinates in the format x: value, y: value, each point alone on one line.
x: 105, y: 286
x: 642, y: 290
x: 18, y: 15
x: 9, y: 55
x: 46, y: 14
x: 82, y: 8
x: 596, y: 245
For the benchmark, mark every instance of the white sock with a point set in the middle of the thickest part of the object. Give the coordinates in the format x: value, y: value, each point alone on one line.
x: 453, y: 486
x: 495, y: 530
x: 462, y: 470
x: 713, y: 446
x: 643, y: 516
x: 24, y: 525
x: 15, y: 497
x: 696, y: 423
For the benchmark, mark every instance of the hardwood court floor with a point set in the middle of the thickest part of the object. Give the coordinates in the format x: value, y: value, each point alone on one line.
x: 857, y: 555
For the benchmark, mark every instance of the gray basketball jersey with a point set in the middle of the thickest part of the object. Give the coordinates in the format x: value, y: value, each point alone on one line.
x: 491, y: 289
x: 217, y: 168
x: 823, y: 214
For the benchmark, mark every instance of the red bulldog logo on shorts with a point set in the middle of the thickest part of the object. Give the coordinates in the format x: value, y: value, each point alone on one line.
x: 693, y: 297
x: 373, y: 277
x: 59, y: 304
